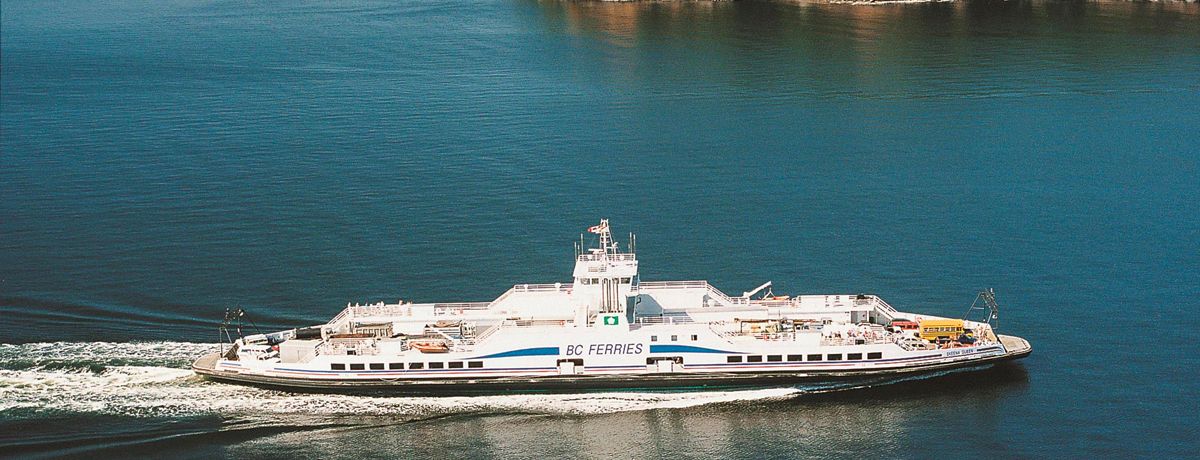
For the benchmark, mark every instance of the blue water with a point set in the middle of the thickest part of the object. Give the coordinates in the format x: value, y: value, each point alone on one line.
x: 162, y: 161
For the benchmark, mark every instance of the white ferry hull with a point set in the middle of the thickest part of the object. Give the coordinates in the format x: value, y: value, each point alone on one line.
x: 673, y: 381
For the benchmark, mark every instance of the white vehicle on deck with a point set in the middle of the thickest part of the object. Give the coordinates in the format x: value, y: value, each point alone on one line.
x: 608, y: 329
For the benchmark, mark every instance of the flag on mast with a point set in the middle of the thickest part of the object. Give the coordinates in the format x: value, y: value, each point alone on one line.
x: 598, y: 228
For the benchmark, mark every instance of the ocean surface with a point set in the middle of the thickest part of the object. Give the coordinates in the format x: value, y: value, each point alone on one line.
x: 163, y: 161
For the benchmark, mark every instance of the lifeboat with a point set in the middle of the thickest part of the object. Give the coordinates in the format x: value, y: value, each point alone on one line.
x: 430, y: 347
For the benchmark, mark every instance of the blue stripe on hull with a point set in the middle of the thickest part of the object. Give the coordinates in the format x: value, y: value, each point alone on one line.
x: 541, y: 351
x: 689, y: 349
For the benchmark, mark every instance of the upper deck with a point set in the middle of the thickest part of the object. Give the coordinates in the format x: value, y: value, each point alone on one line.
x: 678, y: 301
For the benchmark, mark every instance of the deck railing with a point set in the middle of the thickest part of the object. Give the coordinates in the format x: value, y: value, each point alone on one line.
x: 839, y: 341
x: 351, y: 312
x: 673, y: 284
x: 711, y: 290
x: 447, y: 308
x: 556, y: 287
x: 664, y: 320
x: 343, y: 315
x: 883, y: 305
x: 588, y: 257
x: 485, y: 334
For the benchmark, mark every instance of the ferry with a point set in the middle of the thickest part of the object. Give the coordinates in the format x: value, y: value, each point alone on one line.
x: 609, y: 330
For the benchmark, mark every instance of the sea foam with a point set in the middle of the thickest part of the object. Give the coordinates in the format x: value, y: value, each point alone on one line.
x: 152, y: 379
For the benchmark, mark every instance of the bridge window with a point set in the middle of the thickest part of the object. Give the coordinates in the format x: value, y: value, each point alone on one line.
x: 395, y: 366
x: 774, y: 358
x: 733, y: 359
x: 835, y: 356
x: 416, y: 365
x: 358, y: 367
x: 853, y: 356
x: 437, y: 365
x: 814, y: 357
x: 754, y: 359
x: 337, y: 367
x: 875, y: 355
x: 376, y: 366
x: 474, y: 364
x: 795, y: 358
x: 456, y: 364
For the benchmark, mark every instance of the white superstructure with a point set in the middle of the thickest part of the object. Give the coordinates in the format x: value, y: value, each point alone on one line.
x: 608, y: 329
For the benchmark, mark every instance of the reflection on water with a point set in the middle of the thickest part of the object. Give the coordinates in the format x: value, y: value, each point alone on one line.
x: 936, y: 50
x: 627, y: 23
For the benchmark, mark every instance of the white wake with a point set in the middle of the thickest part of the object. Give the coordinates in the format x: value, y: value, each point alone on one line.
x: 99, y: 378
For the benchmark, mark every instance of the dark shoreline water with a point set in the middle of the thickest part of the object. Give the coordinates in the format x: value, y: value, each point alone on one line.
x: 162, y: 162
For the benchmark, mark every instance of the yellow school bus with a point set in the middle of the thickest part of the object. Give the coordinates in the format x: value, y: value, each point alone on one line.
x: 934, y: 329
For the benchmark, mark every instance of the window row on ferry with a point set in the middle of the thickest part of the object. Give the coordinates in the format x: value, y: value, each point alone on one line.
x: 802, y: 358
x: 401, y: 366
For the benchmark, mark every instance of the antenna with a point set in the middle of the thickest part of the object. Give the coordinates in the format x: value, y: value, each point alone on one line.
x: 986, y: 301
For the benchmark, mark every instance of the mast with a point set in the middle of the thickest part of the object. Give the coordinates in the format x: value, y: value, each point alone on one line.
x: 603, y: 280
